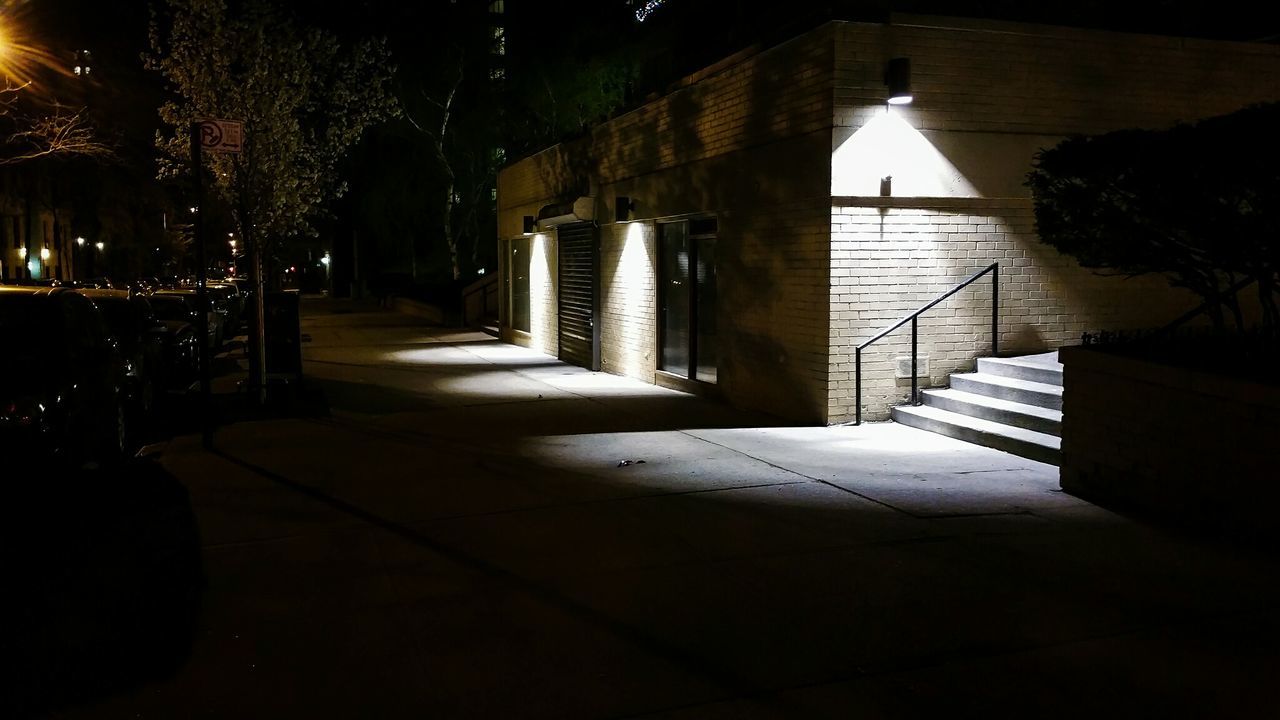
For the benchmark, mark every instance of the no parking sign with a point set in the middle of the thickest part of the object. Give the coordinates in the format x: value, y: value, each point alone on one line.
x: 220, y: 135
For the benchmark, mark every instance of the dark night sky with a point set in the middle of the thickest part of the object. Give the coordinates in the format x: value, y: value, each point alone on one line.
x: 680, y: 37
x: 117, y: 31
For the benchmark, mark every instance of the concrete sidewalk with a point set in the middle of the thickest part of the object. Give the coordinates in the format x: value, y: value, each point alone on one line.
x: 479, y: 531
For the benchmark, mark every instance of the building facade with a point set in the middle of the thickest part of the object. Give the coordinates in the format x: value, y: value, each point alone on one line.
x: 35, y: 238
x: 744, y: 233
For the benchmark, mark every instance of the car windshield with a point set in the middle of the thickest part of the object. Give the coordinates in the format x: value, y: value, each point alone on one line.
x: 120, y: 317
x: 170, y: 307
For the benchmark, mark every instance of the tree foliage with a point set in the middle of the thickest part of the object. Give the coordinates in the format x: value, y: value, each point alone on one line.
x: 1198, y: 203
x: 304, y: 100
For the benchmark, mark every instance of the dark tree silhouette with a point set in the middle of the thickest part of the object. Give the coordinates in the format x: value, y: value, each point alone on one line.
x: 1198, y: 203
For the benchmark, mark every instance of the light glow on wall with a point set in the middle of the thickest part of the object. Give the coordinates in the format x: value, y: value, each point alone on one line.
x: 542, y: 294
x: 632, y: 288
x: 889, y: 147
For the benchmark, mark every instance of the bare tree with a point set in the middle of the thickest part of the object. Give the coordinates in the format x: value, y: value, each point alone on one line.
x: 60, y: 131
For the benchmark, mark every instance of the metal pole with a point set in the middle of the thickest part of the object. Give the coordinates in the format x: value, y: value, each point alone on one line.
x: 257, y: 340
x: 202, y: 292
x: 995, y: 309
x: 858, y: 386
x: 913, y: 360
x: 259, y: 329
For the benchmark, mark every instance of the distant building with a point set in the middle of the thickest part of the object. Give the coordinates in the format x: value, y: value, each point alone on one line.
x: 740, y: 235
x: 35, y: 241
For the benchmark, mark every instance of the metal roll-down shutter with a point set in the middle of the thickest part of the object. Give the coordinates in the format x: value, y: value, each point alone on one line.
x: 579, y: 339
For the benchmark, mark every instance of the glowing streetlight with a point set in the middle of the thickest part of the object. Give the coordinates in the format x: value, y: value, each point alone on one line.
x: 326, y: 260
x: 80, y: 241
x: 100, y: 245
x: 22, y: 253
x: 44, y: 254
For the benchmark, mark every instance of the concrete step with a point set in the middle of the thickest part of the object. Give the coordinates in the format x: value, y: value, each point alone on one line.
x: 1003, y: 388
x: 1035, y: 368
x: 1018, y: 441
x: 1005, y: 412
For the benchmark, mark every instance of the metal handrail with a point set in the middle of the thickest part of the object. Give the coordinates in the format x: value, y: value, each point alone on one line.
x: 994, y: 269
x: 481, y: 287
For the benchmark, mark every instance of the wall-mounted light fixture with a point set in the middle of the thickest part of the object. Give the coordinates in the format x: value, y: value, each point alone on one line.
x: 530, y: 225
x: 898, y: 77
x: 624, y: 209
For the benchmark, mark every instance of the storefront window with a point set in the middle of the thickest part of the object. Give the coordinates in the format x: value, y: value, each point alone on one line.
x: 687, y: 298
x: 521, y: 249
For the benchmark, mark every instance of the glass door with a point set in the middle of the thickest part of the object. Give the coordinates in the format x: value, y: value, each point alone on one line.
x: 687, y: 299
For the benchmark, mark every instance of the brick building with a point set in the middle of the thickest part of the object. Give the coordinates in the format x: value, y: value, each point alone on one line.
x: 743, y: 233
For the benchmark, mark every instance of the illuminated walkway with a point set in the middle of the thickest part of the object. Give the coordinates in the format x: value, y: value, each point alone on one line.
x: 478, y: 531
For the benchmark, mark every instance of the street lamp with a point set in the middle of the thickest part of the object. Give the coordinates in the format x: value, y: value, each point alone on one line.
x: 80, y: 241
x: 44, y: 254
x: 100, y: 245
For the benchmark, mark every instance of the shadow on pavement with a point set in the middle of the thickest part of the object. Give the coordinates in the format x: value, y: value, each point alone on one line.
x: 468, y: 411
x: 103, y: 584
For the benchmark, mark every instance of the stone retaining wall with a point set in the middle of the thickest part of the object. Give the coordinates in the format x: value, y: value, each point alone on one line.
x: 1186, y: 446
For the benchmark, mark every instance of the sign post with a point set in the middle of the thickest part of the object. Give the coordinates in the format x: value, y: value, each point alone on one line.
x: 214, y: 136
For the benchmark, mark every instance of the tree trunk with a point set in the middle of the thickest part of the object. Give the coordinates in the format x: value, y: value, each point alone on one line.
x: 448, y: 230
x: 1270, y: 313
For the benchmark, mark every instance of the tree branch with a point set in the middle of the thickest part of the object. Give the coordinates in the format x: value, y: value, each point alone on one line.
x: 62, y: 133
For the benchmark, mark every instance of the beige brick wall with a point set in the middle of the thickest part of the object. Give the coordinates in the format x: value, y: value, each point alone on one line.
x: 987, y: 97
x: 543, y: 332
x: 811, y: 261
x: 750, y: 145
x: 894, y: 256
x: 783, y: 92
x: 628, y: 300
x: 1048, y: 81
x: 774, y: 266
x: 986, y: 100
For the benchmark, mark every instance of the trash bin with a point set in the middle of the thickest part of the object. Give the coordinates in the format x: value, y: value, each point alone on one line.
x: 283, y: 336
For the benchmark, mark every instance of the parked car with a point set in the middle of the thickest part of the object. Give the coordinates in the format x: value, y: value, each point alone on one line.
x: 175, y: 324
x: 131, y: 320
x: 62, y: 381
x: 191, y: 298
x: 227, y: 297
x: 102, y: 283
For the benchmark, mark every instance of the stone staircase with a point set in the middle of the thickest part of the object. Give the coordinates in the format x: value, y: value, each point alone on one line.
x: 1012, y: 404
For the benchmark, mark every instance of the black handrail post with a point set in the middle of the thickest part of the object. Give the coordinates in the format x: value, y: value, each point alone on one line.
x: 857, y: 386
x: 993, y: 268
x: 914, y: 392
x: 995, y: 309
